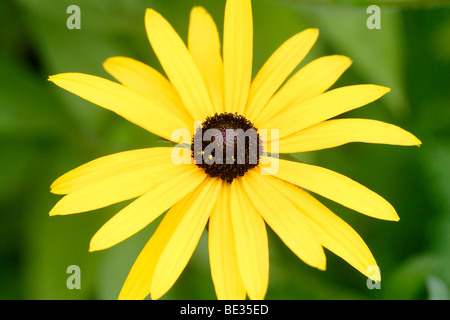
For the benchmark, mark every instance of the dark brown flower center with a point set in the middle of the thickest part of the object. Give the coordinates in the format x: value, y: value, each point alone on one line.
x: 226, y: 145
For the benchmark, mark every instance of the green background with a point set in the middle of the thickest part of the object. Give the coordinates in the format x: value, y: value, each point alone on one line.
x: 46, y: 131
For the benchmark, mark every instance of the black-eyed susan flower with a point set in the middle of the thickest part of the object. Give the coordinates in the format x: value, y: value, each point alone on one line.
x: 225, y: 180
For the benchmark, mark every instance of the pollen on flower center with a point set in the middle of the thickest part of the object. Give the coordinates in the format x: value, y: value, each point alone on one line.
x: 226, y: 145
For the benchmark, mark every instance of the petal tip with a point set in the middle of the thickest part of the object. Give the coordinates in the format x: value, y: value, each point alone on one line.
x: 381, y: 90
x: 71, y: 76
x: 373, y: 273
x: 151, y: 13
x: 93, y: 246
x: 60, y: 210
x: 96, y: 244
x: 321, y: 263
x: 344, y: 61
x: 55, y: 185
x: 389, y: 214
x: 394, y: 217
x: 54, y: 212
x: 109, y: 60
x: 313, y: 33
x: 56, y: 190
x: 199, y: 9
x: 55, y: 77
x: 417, y: 142
x: 314, y: 30
x: 385, y: 89
x: 155, y: 294
x: 348, y: 62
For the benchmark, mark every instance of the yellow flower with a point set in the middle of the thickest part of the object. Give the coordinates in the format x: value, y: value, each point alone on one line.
x: 236, y: 199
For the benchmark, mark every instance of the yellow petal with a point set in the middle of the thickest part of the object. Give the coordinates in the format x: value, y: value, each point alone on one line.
x: 275, y: 71
x: 148, y: 207
x: 284, y: 219
x: 204, y: 46
x: 137, y: 285
x: 222, y: 251
x: 336, y: 187
x: 120, y: 186
x: 185, y: 237
x: 334, y: 234
x: 237, y: 54
x: 251, y: 242
x: 111, y: 165
x: 311, y: 80
x: 123, y: 101
x: 179, y: 65
x: 323, y: 107
x: 333, y: 133
x: 148, y: 82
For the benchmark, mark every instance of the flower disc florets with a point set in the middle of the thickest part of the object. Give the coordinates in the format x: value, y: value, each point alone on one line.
x: 226, y: 145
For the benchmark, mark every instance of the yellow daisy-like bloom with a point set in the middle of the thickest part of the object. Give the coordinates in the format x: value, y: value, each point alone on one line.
x: 236, y: 200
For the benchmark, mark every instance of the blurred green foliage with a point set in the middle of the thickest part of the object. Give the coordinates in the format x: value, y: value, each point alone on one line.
x: 45, y: 131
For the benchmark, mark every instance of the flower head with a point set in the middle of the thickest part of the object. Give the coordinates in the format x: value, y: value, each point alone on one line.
x: 229, y: 176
